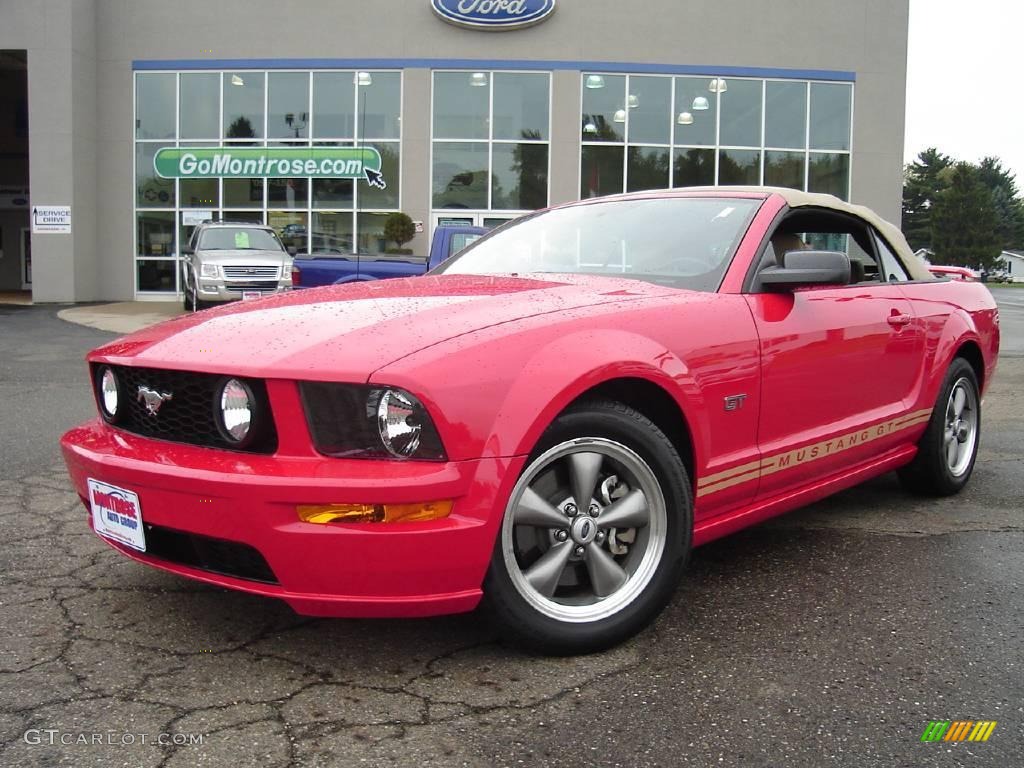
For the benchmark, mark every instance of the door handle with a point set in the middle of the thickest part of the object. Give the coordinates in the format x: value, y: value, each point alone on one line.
x: 899, y: 320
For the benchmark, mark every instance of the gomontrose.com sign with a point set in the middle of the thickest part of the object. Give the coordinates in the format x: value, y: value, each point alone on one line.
x: 281, y: 162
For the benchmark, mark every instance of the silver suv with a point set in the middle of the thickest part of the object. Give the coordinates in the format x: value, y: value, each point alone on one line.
x: 227, y: 260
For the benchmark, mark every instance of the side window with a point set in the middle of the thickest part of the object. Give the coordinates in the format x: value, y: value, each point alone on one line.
x: 892, y: 270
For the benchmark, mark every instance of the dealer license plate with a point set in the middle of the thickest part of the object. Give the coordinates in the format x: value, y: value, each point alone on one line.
x: 251, y: 295
x: 117, y: 514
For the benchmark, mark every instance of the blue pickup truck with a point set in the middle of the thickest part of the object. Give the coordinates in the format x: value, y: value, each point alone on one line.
x: 335, y: 268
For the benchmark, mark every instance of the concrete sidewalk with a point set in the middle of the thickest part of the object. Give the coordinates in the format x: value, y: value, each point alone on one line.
x: 123, y: 316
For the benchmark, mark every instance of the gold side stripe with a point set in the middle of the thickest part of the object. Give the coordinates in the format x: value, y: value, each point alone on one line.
x: 788, y: 459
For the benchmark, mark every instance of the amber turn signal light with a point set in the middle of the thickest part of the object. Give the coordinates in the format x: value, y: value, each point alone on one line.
x: 374, y: 513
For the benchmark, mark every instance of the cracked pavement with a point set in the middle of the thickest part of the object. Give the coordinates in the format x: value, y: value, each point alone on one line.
x: 828, y: 636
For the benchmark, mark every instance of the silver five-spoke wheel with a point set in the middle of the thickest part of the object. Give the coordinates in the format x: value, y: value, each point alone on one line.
x: 584, y: 531
x: 961, y: 429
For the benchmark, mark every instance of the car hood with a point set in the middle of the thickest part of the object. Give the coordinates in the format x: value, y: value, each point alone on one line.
x: 346, y: 332
x: 244, y: 257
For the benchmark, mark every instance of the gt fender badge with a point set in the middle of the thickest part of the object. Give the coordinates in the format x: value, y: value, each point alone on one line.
x: 734, y: 402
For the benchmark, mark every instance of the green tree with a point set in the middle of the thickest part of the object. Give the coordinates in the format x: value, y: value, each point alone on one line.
x: 1006, y: 199
x: 400, y: 228
x: 922, y: 183
x: 964, y: 222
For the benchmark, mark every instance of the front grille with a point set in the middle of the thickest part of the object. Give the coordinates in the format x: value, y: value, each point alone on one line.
x: 249, y: 273
x: 229, y: 558
x: 188, y: 416
x: 251, y: 285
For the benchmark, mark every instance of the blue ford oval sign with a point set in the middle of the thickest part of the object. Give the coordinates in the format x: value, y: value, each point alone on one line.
x: 493, y: 14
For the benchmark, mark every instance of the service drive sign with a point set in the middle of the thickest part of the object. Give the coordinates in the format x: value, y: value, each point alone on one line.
x: 51, y: 218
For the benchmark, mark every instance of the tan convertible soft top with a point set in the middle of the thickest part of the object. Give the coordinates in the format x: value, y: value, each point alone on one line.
x: 797, y: 199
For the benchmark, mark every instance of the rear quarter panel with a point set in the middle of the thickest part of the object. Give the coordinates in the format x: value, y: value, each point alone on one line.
x: 953, y: 313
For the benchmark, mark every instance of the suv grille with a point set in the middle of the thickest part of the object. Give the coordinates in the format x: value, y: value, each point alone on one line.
x: 232, y: 272
x: 188, y: 417
x: 251, y: 285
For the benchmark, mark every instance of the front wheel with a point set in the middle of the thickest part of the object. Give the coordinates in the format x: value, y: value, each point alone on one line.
x: 595, y: 533
x: 947, y: 450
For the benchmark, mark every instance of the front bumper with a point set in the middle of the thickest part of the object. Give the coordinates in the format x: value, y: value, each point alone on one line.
x: 211, y: 289
x: 356, y: 570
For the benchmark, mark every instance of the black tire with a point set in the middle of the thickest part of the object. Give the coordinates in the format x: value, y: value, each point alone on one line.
x: 634, y: 455
x: 931, y: 473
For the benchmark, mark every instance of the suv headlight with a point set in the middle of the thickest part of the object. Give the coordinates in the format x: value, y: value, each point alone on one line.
x: 364, y: 421
x: 208, y: 270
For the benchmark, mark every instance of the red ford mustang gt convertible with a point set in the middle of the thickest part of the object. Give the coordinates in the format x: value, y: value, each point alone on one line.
x: 549, y: 421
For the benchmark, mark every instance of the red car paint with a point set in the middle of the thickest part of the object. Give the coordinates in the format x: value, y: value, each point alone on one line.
x: 839, y: 382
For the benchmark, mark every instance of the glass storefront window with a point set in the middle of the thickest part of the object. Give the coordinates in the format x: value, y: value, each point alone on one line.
x: 255, y: 216
x: 199, y: 193
x: 520, y: 177
x: 243, y: 105
x: 292, y: 227
x: 371, y: 232
x: 157, y: 275
x: 200, y: 105
x: 287, y: 193
x: 601, y: 171
x: 151, y: 191
x: 741, y: 114
x: 243, y: 193
x: 785, y: 115
x: 829, y: 173
x: 334, y: 106
x: 461, y: 105
x: 287, y: 105
x: 715, y: 131
x: 739, y: 166
x: 831, y: 106
x: 155, y: 109
x: 380, y: 104
x: 649, y: 103
x: 155, y: 233
x: 520, y: 106
x: 373, y: 197
x: 647, y: 168
x: 784, y: 169
x: 693, y: 168
x: 604, y: 108
x: 332, y: 233
x: 696, y: 112
x: 460, y: 175
x: 333, y: 193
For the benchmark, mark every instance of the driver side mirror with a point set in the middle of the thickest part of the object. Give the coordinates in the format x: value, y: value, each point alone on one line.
x: 292, y: 250
x: 186, y: 251
x: 807, y: 268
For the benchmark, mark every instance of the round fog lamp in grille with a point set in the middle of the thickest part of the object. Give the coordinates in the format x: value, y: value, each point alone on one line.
x: 109, y: 399
x: 236, y: 410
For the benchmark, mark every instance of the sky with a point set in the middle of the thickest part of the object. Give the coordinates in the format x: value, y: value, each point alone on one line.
x: 965, y: 80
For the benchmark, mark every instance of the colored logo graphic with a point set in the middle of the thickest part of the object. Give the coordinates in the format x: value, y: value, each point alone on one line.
x: 493, y: 14
x: 282, y: 162
x: 958, y: 730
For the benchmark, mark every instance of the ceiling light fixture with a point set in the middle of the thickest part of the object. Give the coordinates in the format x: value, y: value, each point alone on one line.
x: 363, y: 78
x: 718, y: 85
x: 700, y: 104
x: 478, y: 79
x: 236, y: 80
x: 620, y: 116
x: 595, y: 81
x: 685, y: 118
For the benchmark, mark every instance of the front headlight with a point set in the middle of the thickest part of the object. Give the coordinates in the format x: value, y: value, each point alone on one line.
x: 362, y: 421
x: 207, y: 270
x: 238, y: 413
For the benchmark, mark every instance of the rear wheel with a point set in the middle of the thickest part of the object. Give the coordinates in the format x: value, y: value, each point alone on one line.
x: 947, y: 450
x: 595, y: 534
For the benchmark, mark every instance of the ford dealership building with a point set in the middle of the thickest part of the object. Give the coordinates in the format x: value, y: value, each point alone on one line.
x: 126, y: 123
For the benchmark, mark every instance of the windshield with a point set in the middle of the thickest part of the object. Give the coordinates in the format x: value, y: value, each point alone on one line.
x: 685, y: 242
x: 239, y: 239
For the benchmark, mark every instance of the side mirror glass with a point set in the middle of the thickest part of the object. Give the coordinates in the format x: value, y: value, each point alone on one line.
x: 292, y: 250
x: 807, y: 268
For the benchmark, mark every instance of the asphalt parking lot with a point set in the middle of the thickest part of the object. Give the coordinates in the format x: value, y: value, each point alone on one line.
x: 831, y: 636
